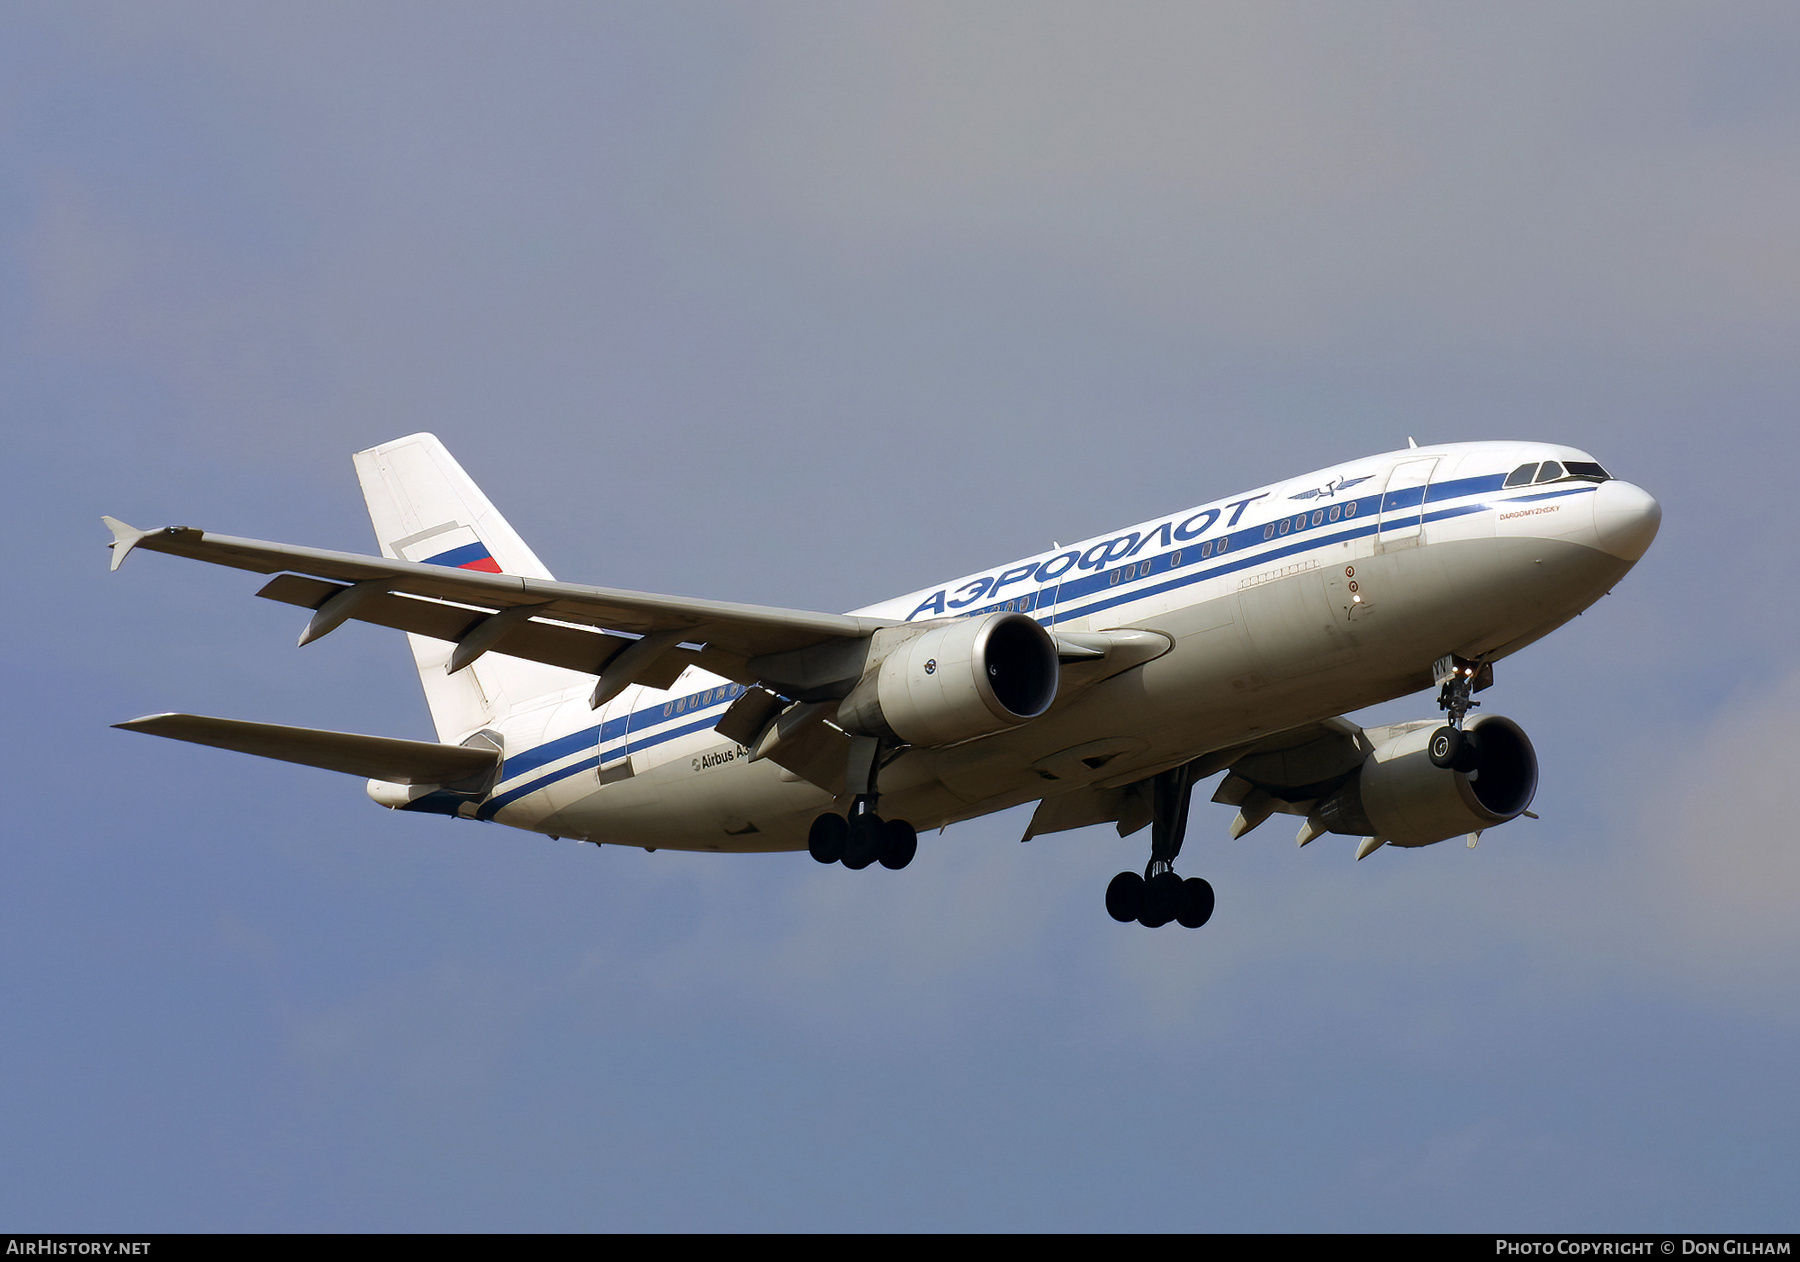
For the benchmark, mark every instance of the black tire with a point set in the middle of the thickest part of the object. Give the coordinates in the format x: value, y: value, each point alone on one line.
x: 864, y: 842
x: 1195, y: 906
x: 1445, y: 747
x: 1469, y: 756
x: 1125, y: 897
x: 825, y: 840
x: 1162, y: 895
x: 899, y: 843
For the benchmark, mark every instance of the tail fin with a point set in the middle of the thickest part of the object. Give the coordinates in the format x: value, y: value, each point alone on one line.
x: 425, y: 508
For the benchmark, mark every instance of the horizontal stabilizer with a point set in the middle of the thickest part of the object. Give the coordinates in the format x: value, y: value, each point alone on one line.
x: 372, y: 757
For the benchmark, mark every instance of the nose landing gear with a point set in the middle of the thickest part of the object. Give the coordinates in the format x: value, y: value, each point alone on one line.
x: 1452, y: 747
x: 1160, y: 894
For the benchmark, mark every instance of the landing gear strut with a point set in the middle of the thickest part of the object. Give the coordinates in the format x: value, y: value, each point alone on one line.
x: 1452, y: 747
x: 1160, y: 895
x: 864, y: 838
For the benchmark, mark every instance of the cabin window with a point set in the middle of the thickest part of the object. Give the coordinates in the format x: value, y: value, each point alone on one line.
x: 1269, y: 531
x: 1522, y: 475
x: 1223, y: 544
x: 1206, y: 549
x: 1336, y: 511
x: 1285, y: 524
x: 1350, y: 509
x: 1174, y: 559
x: 1318, y: 516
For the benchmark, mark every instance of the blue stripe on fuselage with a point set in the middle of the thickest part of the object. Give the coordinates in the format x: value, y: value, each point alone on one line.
x: 496, y: 803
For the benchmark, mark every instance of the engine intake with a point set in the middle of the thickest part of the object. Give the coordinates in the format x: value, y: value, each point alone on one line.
x: 956, y: 680
x: 1399, y: 794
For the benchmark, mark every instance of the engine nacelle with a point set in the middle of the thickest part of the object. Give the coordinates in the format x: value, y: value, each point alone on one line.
x: 955, y: 681
x: 1399, y: 794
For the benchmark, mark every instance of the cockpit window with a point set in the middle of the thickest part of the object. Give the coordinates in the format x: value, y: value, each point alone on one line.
x: 1551, y: 471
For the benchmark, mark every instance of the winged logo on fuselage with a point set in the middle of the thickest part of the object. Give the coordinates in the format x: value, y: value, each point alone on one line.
x: 1331, y: 488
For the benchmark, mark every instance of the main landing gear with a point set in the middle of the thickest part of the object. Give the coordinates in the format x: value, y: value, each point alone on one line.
x: 1160, y: 895
x: 865, y: 837
x: 1453, y: 747
x: 862, y: 839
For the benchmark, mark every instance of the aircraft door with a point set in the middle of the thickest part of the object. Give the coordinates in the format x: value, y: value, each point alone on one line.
x: 614, y: 761
x: 1044, y: 602
x: 1403, y: 504
x: 1061, y: 576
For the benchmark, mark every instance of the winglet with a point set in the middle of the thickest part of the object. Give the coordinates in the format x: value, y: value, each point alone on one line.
x: 124, y: 539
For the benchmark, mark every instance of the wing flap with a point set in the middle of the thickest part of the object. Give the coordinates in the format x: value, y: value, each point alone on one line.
x: 1078, y: 808
x: 436, y: 619
x: 555, y: 644
x: 372, y: 757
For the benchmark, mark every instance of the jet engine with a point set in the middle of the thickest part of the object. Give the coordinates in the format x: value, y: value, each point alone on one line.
x: 956, y: 680
x: 1400, y: 794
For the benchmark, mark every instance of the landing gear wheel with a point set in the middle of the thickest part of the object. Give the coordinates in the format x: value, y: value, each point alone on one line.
x: 1445, y: 747
x: 1194, y: 906
x: 1454, y: 749
x: 825, y: 840
x: 899, y: 843
x: 1125, y: 897
x: 864, y: 842
x: 1162, y: 897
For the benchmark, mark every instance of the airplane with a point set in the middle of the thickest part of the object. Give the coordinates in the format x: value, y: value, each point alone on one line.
x: 1102, y: 680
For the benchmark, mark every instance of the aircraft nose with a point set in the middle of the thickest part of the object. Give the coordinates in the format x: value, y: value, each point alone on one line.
x: 1626, y: 518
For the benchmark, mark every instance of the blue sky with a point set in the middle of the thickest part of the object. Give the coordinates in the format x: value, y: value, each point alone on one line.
x: 809, y: 305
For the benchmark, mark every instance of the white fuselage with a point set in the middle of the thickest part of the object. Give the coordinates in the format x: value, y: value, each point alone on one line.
x: 1286, y: 605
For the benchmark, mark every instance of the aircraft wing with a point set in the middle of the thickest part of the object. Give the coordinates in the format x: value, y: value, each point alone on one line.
x: 1289, y: 772
x: 563, y: 624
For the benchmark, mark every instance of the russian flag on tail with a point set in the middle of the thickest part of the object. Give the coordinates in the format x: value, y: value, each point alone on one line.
x: 470, y: 556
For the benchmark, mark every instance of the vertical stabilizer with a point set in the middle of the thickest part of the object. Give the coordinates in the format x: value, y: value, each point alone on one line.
x: 425, y: 508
